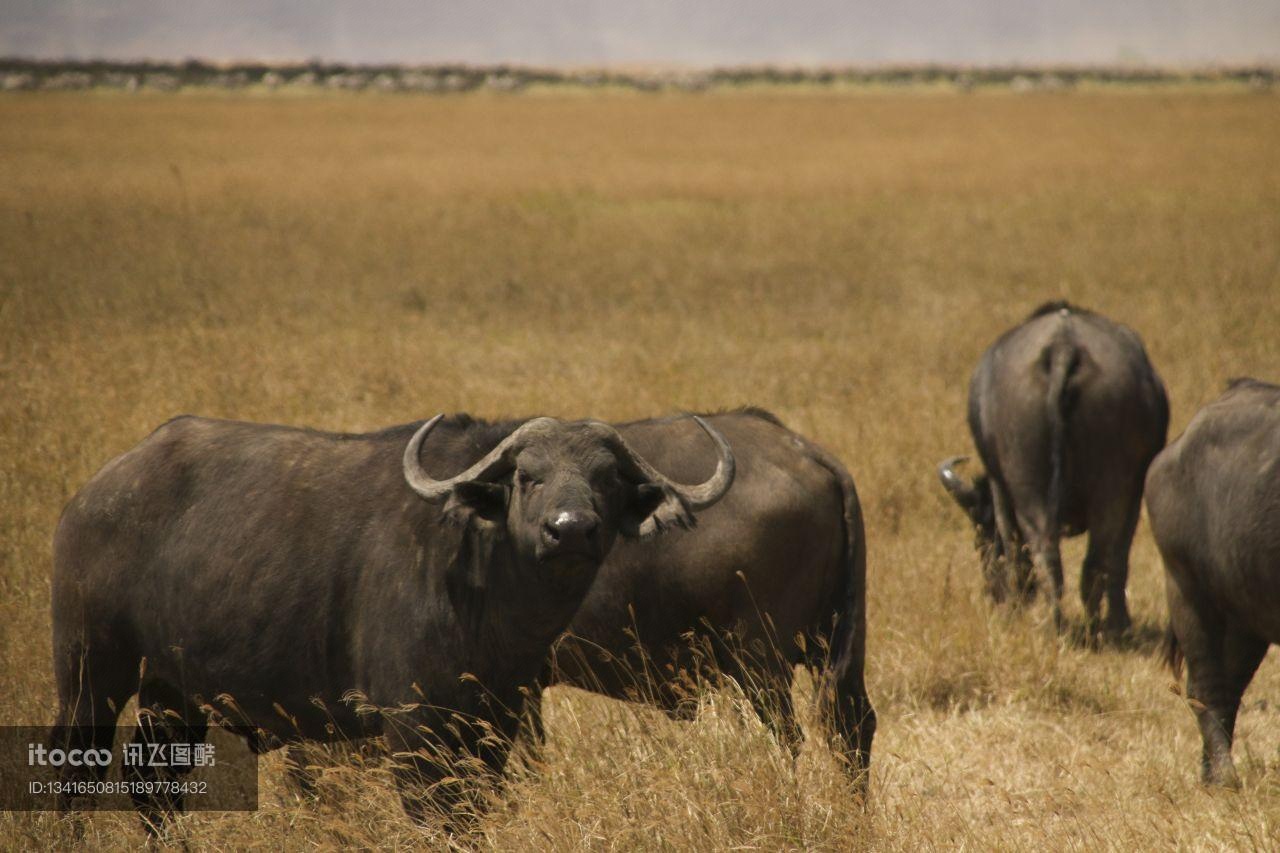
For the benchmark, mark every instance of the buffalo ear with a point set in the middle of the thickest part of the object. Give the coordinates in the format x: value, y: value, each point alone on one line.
x: 475, y: 500
x: 651, y: 509
x: 467, y: 575
x: 478, y: 512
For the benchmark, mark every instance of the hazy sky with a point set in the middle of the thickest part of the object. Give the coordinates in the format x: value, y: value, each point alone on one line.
x: 698, y: 32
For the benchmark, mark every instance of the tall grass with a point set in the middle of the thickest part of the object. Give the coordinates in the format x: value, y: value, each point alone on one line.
x: 842, y: 260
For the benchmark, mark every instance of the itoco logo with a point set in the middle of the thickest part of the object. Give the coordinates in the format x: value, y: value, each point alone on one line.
x: 37, y: 754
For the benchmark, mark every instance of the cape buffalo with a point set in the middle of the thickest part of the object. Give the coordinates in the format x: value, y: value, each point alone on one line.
x: 309, y: 585
x: 775, y: 576
x: 1213, y: 497
x: 1066, y: 412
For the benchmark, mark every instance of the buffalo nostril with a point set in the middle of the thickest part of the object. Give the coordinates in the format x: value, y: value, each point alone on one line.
x: 550, y: 531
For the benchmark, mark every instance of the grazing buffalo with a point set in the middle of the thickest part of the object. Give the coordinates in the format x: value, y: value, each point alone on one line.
x: 307, y: 585
x: 775, y: 576
x: 1213, y: 497
x: 1066, y: 412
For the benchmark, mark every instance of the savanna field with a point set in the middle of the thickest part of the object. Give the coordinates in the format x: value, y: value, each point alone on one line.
x: 350, y: 262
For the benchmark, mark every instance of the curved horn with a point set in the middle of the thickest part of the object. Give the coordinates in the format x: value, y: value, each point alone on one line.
x: 963, y: 491
x: 697, y: 497
x: 493, y: 462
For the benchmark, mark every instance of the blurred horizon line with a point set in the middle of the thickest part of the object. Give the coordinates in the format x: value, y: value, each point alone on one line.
x: 639, y: 67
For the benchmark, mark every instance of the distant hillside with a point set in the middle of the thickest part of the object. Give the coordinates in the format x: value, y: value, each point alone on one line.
x: 25, y: 74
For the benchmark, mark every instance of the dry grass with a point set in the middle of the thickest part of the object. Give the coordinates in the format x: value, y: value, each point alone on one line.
x: 354, y: 262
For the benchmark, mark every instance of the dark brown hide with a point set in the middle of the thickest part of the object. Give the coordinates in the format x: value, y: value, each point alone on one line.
x: 1213, y: 497
x: 775, y: 576
x: 283, y: 578
x: 1066, y: 413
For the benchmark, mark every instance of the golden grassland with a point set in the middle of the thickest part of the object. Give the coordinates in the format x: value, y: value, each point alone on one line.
x: 350, y: 263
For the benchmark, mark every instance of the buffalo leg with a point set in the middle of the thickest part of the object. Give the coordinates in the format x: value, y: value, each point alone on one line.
x: 1042, y: 534
x: 1006, y: 551
x: 1220, y: 664
x: 770, y: 697
x: 428, y: 788
x: 443, y: 771
x: 1093, y: 582
x: 1215, y: 684
x: 92, y: 688
x: 844, y: 708
x: 848, y: 712
x: 298, y: 774
x: 1048, y: 565
x: 532, y: 721
x: 1118, y: 620
x: 765, y: 676
x: 306, y: 761
x: 164, y: 717
x: 1106, y: 563
x: 1025, y: 581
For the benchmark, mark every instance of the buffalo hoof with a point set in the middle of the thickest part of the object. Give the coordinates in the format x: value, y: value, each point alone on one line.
x: 1090, y: 635
x: 1116, y: 628
x: 1217, y: 769
x: 1223, y: 777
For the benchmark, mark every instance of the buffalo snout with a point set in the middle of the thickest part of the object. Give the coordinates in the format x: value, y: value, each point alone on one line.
x: 570, y: 532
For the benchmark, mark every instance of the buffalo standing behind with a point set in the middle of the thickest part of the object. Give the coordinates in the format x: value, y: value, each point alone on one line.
x: 1066, y: 412
x: 774, y: 576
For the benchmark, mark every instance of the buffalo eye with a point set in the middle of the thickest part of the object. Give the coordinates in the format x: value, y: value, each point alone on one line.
x: 526, y: 482
x: 607, y: 477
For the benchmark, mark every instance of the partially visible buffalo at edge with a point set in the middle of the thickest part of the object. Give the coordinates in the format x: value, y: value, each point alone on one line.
x: 1213, y: 497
